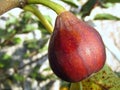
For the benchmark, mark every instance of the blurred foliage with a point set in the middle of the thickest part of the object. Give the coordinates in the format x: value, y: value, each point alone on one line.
x: 87, y: 7
x: 108, y: 3
x: 10, y: 36
x: 13, y: 66
x: 72, y: 2
x: 105, y: 16
x: 105, y: 79
x: 112, y: 1
x: 5, y: 61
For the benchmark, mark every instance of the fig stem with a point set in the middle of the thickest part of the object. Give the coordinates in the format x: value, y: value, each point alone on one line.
x: 38, y: 14
x: 52, y: 5
x: 76, y: 86
x: 80, y: 84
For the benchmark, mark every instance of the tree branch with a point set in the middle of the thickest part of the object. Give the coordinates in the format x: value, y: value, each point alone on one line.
x: 6, y: 5
x: 42, y: 59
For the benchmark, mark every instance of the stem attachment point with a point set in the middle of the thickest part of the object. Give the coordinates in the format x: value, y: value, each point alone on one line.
x: 22, y: 3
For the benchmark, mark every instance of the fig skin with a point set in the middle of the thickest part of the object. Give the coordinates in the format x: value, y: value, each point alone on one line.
x: 76, y: 50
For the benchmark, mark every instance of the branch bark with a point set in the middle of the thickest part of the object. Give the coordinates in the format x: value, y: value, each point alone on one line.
x: 6, y: 5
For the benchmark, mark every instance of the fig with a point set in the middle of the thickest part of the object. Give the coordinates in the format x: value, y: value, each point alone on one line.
x: 76, y: 50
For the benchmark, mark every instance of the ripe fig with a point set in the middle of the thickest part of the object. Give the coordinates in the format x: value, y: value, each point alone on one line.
x: 76, y: 50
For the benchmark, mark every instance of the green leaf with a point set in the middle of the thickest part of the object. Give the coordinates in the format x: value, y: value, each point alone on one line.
x: 1, y: 65
x: 26, y: 17
x: 112, y: 1
x: 16, y: 40
x: 71, y: 2
x: 34, y: 72
x: 6, y: 34
x: 31, y: 44
x: 87, y: 7
x: 11, y: 21
x: 106, y: 16
x: 5, y: 61
x: 18, y: 77
x: 107, y: 5
x: 2, y: 33
x: 6, y: 57
x: 105, y: 79
x: 28, y: 28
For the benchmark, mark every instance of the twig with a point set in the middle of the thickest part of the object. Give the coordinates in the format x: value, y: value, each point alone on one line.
x: 43, y: 58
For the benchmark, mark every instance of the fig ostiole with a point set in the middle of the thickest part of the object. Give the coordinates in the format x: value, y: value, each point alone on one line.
x: 76, y: 50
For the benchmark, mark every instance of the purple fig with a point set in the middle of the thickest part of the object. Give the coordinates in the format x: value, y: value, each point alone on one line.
x: 76, y: 50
